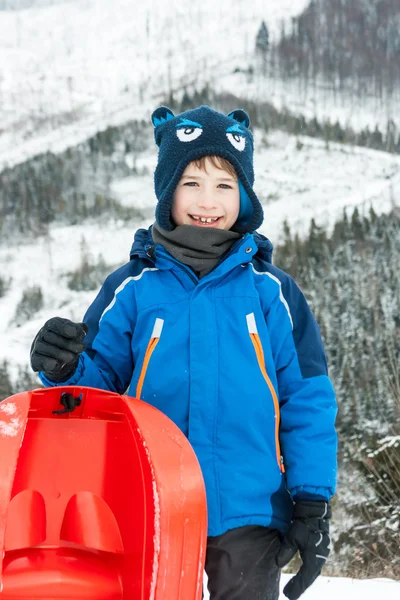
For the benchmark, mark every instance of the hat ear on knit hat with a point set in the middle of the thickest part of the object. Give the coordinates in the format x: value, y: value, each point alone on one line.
x: 162, y: 115
x: 241, y: 116
x: 193, y: 134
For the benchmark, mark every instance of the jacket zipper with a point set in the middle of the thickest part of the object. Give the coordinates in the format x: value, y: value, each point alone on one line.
x: 255, y: 338
x: 184, y: 268
x: 154, y: 339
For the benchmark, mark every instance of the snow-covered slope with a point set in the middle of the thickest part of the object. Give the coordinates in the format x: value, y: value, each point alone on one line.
x: 319, y: 101
x: 68, y: 70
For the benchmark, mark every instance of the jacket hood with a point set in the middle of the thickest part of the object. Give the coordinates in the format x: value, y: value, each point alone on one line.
x: 265, y: 247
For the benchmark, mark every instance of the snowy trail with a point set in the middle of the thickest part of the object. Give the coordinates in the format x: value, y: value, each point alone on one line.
x: 340, y: 588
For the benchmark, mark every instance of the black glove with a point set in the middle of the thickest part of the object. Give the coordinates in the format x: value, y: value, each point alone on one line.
x: 56, y: 348
x: 308, y: 534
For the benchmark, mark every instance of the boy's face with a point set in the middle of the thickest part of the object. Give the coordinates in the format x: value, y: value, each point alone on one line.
x: 212, y: 194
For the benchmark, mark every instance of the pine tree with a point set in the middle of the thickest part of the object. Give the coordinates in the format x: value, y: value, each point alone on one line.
x: 262, y: 39
x: 262, y: 46
x: 186, y: 102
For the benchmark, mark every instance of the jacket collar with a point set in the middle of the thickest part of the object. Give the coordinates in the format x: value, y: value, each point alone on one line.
x: 261, y: 247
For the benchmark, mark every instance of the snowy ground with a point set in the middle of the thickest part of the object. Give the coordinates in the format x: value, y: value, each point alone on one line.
x: 335, y: 588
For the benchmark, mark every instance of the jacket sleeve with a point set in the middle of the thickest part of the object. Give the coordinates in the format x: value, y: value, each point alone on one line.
x: 107, y: 362
x: 307, y: 398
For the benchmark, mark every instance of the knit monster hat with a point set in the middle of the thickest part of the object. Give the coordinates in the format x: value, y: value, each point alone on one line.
x: 204, y: 132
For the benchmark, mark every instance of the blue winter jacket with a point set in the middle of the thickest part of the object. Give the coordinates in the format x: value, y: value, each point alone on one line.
x: 235, y: 359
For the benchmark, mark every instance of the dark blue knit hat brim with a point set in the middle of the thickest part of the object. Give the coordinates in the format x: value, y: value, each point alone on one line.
x: 164, y: 206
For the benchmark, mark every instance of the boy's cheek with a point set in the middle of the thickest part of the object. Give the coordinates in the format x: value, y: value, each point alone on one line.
x: 179, y: 217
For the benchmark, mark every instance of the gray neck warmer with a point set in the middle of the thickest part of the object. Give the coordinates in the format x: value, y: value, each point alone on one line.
x: 199, y: 248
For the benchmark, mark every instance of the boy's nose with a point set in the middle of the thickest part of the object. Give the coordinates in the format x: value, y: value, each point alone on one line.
x: 206, y: 200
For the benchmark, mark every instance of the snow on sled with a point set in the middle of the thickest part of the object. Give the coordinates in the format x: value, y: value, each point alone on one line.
x: 103, y: 503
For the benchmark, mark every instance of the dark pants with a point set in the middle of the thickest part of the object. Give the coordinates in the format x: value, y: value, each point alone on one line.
x: 240, y: 564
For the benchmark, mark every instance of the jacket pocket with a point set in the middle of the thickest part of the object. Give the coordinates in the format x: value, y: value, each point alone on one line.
x: 154, y: 339
x: 255, y: 338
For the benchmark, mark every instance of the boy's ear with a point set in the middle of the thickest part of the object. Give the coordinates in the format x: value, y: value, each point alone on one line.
x: 162, y: 114
x: 241, y: 116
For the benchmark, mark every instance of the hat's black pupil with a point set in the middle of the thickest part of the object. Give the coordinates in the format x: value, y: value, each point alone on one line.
x: 236, y: 137
x: 189, y: 130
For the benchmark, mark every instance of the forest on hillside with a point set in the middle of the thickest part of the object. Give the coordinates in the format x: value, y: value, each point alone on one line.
x: 345, y: 42
x: 351, y: 280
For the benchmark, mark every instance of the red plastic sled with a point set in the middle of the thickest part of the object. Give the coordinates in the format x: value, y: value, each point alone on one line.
x: 104, y: 503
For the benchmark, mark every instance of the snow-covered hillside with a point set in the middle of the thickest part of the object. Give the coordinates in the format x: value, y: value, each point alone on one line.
x: 315, y: 100
x: 68, y: 70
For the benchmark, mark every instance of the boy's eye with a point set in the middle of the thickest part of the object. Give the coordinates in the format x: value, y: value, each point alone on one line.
x: 190, y: 183
x: 225, y: 186
x: 238, y: 141
x: 188, y: 134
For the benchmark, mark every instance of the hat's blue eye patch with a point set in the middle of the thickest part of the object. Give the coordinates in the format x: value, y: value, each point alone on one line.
x: 188, y: 131
x: 236, y: 137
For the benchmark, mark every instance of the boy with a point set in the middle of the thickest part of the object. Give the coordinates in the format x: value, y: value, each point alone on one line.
x: 201, y: 325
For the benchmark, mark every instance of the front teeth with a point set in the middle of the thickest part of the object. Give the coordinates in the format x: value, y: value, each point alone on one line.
x: 203, y: 220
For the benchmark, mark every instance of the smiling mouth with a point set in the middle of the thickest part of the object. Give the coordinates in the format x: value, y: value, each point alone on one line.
x: 204, y: 220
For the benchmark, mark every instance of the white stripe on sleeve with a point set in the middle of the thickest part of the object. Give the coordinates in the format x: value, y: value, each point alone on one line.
x: 281, y: 296
x: 122, y: 286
